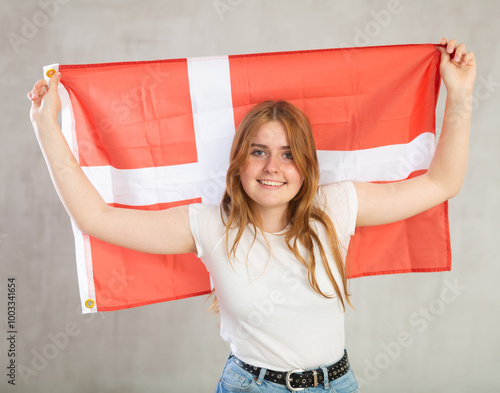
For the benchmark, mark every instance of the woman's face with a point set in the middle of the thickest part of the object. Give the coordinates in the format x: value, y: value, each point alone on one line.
x: 271, y: 178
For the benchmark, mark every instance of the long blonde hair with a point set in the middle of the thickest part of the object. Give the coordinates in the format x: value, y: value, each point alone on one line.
x: 237, y: 205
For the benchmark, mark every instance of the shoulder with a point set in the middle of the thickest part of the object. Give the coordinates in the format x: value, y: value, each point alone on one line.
x: 206, y: 225
x: 203, y: 208
x: 340, y: 202
x: 204, y: 213
x: 338, y: 193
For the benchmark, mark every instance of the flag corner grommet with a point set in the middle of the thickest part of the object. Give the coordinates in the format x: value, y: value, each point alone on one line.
x: 50, y: 73
x: 89, y: 303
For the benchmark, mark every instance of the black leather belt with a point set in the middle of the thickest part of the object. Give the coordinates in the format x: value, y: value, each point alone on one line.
x: 296, y: 380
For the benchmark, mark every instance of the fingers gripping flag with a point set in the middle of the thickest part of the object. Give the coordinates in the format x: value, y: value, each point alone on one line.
x: 153, y: 135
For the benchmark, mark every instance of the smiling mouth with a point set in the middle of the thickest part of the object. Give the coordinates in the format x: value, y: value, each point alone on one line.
x: 271, y: 183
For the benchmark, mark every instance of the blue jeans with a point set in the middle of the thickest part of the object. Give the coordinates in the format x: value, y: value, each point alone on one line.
x: 235, y: 379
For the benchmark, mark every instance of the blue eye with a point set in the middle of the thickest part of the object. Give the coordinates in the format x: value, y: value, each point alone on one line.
x: 258, y: 153
x: 288, y: 156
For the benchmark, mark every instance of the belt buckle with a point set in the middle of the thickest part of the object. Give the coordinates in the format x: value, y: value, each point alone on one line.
x: 288, y: 380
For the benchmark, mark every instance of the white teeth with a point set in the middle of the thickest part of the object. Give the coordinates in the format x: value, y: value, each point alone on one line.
x: 271, y: 183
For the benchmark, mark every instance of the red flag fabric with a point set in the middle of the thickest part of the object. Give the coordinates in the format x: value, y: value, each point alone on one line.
x: 156, y: 134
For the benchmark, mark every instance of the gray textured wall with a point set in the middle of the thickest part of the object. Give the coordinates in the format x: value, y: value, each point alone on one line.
x: 174, y: 347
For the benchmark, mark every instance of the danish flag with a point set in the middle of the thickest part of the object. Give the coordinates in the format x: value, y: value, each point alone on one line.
x: 157, y: 134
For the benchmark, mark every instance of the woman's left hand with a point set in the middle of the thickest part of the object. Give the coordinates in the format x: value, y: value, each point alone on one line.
x: 389, y: 202
x: 459, y: 72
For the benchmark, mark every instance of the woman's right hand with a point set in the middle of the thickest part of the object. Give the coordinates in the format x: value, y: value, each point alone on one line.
x: 45, y: 101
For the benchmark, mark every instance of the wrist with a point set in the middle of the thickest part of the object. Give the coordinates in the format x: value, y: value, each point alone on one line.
x: 43, y: 121
x: 460, y: 99
x: 460, y: 93
x: 44, y: 125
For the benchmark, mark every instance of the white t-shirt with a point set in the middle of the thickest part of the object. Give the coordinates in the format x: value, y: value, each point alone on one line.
x: 269, y: 313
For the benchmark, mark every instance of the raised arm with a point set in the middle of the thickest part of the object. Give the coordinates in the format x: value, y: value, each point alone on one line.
x: 385, y: 203
x: 157, y: 232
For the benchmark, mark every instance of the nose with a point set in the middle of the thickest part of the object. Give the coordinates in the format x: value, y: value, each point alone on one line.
x: 272, y: 164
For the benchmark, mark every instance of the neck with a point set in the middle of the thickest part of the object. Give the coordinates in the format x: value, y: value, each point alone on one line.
x: 274, y: 220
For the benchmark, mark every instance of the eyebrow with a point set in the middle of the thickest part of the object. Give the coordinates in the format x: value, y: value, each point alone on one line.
x: 265, y: 147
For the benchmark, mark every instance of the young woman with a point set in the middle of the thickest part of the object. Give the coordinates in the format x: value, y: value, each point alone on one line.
x: 276, y: 246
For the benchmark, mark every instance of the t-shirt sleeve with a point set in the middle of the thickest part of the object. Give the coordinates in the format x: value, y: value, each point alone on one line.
x: 204, y: 220
x: 341, y: 205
